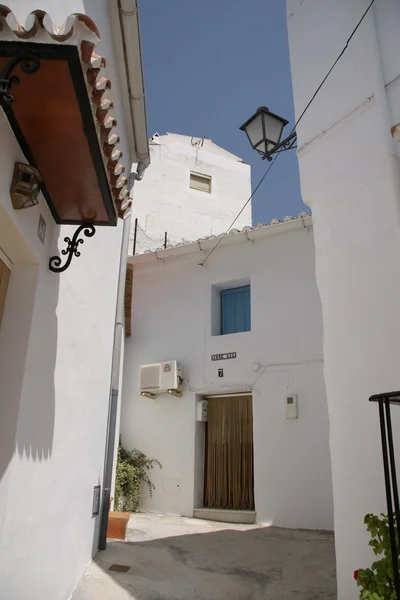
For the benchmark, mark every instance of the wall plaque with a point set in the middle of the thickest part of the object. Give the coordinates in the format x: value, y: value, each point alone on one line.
x: 224, y: 356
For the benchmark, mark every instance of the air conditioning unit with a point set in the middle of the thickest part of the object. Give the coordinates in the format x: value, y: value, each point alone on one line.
x: 160, y: 377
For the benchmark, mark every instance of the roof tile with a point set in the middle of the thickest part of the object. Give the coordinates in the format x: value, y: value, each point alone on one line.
x: 233, y: 231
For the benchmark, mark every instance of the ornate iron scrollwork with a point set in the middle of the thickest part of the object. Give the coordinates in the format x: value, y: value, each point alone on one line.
x: 29, y: 63
x: 72, y: 248
x: 288, y: 144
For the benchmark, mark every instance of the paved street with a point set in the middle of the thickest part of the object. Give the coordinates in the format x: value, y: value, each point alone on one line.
x: 172, y: 558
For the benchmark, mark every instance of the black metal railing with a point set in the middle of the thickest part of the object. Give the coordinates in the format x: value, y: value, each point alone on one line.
x: 389, y: 466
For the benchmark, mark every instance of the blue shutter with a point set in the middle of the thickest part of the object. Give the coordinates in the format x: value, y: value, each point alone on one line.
x: 235, y: 310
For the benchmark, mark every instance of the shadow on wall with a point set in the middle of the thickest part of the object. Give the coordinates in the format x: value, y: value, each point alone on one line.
x: 250, y: 565
x: 28, y: 348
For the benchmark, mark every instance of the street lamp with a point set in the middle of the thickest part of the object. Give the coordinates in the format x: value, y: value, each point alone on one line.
x: 264, y: 130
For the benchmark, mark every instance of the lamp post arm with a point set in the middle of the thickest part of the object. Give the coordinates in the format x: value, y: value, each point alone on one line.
x: 287, y: 144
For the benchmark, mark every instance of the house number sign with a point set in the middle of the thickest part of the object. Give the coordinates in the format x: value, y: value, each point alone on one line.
x: 225, y: 356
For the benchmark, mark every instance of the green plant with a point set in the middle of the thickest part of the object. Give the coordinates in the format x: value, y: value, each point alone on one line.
x: 377, y: 582
x: 132, y: 472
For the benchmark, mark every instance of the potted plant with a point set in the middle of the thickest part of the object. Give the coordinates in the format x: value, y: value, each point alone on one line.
x: 132, y: 472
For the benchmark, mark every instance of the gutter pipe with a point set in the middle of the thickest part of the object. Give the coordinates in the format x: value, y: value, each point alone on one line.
x: 130, y: 36
x: 114, y: 388
x: 130, y: 32
x: 116, y: 370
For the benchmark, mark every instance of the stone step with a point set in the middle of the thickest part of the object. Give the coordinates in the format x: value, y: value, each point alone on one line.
x: 243, y: 517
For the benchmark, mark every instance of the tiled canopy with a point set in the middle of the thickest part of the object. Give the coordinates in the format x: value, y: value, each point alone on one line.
x: 61, y: 117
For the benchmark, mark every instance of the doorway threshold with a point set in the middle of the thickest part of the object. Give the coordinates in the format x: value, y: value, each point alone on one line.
x: 242, y: 517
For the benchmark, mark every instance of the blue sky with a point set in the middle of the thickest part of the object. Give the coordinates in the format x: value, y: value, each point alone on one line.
x: 208, y: 65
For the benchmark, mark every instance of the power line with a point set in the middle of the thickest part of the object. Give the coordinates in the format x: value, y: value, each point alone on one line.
x: 293, y: 130
x: 240, y: 212
x: 334, y: 65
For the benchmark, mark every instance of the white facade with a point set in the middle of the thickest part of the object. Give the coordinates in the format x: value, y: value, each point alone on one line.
x: 349, y: 167
x: 166, y: 203
x: 56, y: 343
x: 175, y: 303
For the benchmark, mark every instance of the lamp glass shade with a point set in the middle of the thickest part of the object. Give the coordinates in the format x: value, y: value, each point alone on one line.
x: 255, y: 131
x: 264, y: 130
x: 273, y: 128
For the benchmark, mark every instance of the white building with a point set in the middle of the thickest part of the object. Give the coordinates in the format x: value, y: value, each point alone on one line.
x: 57, y: 329
x: 194, y: 189
x: 177, y: 316
x: 349, y: 167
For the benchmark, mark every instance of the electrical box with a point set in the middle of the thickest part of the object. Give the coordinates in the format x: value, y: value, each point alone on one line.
x: 202, y: 411
x: 291, y: 406
x: 160, y: 377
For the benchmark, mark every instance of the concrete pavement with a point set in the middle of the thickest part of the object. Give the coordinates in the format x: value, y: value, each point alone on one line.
x: 173, y: 558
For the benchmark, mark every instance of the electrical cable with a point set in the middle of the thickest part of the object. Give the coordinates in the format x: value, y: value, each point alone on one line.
x: 334, y: 64
x: 245, y: 388
x: 293, y: 130
x: 302, y: 363
x: 240, y: 212
x: 156, y: 240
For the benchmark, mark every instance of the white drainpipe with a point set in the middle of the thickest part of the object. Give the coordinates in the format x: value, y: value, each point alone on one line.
x: 128, y: 12
x: 129, y: 20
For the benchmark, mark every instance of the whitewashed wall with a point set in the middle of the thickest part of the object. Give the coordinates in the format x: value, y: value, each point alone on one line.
x: 172, y: 320
x: 55, y: 360
x: 349, y: 167
x: 166, y: 203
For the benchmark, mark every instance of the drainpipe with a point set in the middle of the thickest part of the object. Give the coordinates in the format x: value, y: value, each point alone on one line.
x: 119, y: 332
x: 128, y: 12
x: 130, y: 35
x: 140, y: 169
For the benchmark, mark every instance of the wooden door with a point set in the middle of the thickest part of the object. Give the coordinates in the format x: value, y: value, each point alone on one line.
x: 4, y: 277
x: 229, y: 469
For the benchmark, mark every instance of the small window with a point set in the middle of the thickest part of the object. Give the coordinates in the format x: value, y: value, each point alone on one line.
x: 235, y: 310
x: 200, y: 182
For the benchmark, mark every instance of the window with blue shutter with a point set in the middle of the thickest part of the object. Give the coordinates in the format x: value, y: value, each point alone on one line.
x: 235, y: 310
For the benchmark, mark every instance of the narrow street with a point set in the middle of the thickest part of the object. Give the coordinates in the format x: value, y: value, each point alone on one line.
x: 172, y: 558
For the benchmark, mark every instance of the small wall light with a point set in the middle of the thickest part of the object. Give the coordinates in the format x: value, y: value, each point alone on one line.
x: 25, y: 186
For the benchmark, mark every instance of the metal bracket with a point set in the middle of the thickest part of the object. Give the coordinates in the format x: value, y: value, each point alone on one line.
x: 148, y: 395
x: 287, y: 144
x: 29, y: 64
x: 72, y: 248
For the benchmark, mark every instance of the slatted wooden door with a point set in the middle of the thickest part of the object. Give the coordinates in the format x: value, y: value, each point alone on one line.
x: 4, y: 277
x: 229, y: 468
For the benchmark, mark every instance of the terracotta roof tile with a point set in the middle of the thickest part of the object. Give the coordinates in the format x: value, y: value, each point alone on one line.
x: 232, y: 231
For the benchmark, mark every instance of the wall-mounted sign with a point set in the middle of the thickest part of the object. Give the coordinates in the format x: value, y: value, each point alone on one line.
x: 224, y: 356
